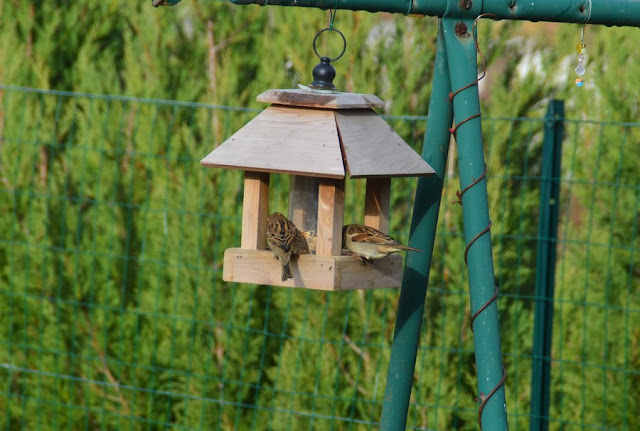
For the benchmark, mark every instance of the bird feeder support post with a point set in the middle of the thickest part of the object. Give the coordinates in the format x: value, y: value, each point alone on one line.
x: 423, y: 233
x: 330, y: 217
x: 255, y: 208
x: 377, y: 202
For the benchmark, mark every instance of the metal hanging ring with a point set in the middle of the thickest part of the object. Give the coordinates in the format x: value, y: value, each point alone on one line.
x: 344, y: 40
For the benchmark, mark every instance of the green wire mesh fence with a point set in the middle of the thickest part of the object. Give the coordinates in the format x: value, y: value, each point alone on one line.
x: 115, y: 315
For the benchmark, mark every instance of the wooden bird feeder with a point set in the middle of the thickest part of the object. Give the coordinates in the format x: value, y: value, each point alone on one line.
x: 318, y: 138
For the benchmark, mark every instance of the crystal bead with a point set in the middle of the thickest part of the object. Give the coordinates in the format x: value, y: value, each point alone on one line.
x: 580, y: 68
x: 581, y: 48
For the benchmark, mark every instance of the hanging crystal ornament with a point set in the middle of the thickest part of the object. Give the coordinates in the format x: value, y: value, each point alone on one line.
x: 580, y: 68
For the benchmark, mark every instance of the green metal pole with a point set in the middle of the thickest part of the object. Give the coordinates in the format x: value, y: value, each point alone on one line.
x: 610, y: 12
x: 546, y: 266
x: 461, y: 52
x: 423, y: 232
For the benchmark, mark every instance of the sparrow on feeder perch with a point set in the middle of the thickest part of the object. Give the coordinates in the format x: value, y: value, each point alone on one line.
x: 281, y: 237
x: 368, y: 243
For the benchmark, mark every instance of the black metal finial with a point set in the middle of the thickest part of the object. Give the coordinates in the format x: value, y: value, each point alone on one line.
x: 323, y: 75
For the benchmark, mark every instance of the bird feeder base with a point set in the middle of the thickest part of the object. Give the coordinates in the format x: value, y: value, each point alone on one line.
x: 309, y: 271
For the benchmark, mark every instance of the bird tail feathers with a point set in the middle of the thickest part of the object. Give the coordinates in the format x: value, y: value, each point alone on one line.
x: 286, y: 272
x: 406, y: 247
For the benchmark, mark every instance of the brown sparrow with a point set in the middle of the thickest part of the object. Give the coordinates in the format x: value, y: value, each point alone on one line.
x: 368, y: 243
x: 281, y: 237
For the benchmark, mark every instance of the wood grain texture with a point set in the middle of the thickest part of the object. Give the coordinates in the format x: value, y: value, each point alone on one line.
x: 311, y: 272
x: 372, y: 148
x: 282, y: 139
x: 255, y: 209
x: 330, y: 217
x: 377, y: 202
x: 337, y: 100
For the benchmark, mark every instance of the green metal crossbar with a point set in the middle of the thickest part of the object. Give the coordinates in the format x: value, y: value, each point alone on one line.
x: 456, y: 77
x: 614, y: 12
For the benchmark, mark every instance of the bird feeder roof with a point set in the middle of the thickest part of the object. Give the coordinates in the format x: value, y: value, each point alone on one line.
x: 320, y: 135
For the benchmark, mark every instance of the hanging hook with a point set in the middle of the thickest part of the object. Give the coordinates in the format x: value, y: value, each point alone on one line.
x: 332, y: 14
x: 344, y: 41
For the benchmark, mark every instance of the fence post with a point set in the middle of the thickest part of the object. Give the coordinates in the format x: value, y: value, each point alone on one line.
x: 423, y: 232
x: 546, y: 265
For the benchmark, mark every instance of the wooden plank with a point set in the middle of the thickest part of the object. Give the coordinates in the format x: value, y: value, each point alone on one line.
x: 330, y: 273
x: 372, y: 148
x: 381, y: 273
x: 336, y: 100
x: 303, y: 202
x: 282, y: 139
x: 377, y: 202
x: 330, y: 217
x: 255, y: 209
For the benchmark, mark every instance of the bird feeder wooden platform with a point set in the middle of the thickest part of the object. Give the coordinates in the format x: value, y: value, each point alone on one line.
x: 319, y: 138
